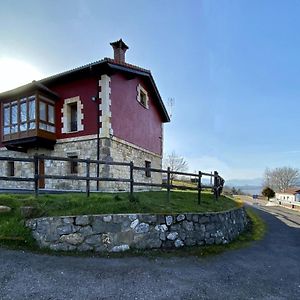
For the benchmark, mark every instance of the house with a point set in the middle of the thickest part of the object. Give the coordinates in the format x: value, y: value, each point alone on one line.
x: 289, y: 196
x: 109, y: 110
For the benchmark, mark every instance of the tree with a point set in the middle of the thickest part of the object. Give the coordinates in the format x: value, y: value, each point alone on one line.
x: 280, y: 179
x: 176, y: 164
x: 268, y: 192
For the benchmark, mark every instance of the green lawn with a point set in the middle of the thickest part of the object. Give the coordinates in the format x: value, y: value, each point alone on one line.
x: 12, y: 230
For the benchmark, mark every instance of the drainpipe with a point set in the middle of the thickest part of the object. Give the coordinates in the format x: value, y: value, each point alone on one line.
x: 98, y: 135
x: 96, y: 99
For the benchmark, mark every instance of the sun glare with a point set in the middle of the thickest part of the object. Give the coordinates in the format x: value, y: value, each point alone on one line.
x: 14, y: 73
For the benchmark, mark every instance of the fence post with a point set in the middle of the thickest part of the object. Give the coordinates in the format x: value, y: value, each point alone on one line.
x: 131, y: 178
x: 199, y: 187
x: 88, y: 176
x: 216, y: 184
x: 168, y: 184
x: 36, y: 175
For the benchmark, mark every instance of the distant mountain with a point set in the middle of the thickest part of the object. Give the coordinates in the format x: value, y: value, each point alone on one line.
x: 244, y: 182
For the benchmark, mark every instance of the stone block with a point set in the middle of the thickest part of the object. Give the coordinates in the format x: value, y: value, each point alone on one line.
x: 4, y: 209
x: 31, y: 223
x: 107, y: 218
x: 189, y: 217
x: 203, y: 219
x: 123, y: 237
x: 151, y: 219
x: 195, y: 218
x: 103, y: 227
x: 178, y: 243
x: 62, y: 247
x: 169, y: 220
x: 132, y: 217
x: 162, y: 236
x: 147, y: 240
x: 86, y: 230
x: 65, y: 229
x: 120, y: 248
x: 172, y: 236
x: 134, y: 223
x: 180, y: 218
x: 189, y: 226
x: 94, y: 240
x: 210, y: 227
x: 161, y: 228
x: 142, y: 228
x: 68, y: 220
x: 82, y: 220
x: 73, y: 238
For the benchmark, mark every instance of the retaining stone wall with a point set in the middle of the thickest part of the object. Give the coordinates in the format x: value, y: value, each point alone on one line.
x: 121, y: 232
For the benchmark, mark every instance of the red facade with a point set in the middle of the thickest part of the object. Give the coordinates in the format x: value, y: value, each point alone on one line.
x: 130, y: 121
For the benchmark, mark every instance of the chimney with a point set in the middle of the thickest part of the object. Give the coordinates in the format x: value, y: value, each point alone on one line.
x: 119, y: 51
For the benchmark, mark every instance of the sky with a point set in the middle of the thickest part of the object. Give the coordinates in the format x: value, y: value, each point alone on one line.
x: 231, y: 66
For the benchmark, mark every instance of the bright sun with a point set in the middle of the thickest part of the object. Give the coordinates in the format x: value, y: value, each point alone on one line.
x: 14, y: 73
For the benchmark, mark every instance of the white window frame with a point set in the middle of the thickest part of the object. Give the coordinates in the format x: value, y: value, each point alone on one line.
x: 66, y: 115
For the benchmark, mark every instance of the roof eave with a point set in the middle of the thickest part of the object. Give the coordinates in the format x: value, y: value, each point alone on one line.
x: 149, y: 75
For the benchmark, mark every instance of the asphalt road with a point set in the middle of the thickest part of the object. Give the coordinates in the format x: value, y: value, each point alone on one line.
x: 268, y: 269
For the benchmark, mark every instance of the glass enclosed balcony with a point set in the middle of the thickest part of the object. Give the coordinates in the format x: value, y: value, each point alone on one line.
x: 29, y: 121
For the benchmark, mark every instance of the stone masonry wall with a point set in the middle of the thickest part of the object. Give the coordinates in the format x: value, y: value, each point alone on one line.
x: 114, y: 233
x: 110, y: 150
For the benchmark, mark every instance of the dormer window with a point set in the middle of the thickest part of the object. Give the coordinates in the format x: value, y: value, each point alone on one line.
x: 142, y: 96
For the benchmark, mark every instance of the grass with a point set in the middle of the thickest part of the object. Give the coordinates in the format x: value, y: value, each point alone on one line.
x: 14, y: 234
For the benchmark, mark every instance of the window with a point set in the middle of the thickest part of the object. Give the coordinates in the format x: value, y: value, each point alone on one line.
x: 19, y: 115
x: 72, y: 111
x: 10, y: 168
x: 73, y: 119
x: 147, y: 166
x: 73, y: 165
x: 142, y: 96
x: 47, y: 118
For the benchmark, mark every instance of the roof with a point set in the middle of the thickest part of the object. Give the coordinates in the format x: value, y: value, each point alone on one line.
x: 28, y: 88
x: 108, y: 62
x: 293, y: 190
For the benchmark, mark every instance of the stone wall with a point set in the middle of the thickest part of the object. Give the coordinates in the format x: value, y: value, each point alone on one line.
x: 85, y: 147
x: 121, y: 232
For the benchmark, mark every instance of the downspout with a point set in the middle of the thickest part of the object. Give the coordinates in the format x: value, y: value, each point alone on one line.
x: 97, y: 101
x: 98, y: 134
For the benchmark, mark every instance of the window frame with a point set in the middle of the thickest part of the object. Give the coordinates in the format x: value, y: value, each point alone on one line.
x: 49, y: 126
x: 10, y: 168
x: 147, y: 167
x: 21, y: 116
x: 144, y: 101
x: 73, y: 165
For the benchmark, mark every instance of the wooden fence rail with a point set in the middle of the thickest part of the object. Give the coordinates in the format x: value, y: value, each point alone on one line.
x: 217, y: 185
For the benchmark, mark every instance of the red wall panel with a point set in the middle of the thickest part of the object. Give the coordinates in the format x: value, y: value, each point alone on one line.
x: 130, y: 120
x: 85, y: 89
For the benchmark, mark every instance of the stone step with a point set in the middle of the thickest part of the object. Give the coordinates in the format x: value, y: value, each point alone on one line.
x: 4, y: 209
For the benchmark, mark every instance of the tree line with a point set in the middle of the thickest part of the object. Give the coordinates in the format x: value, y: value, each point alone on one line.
x: 279, y: 180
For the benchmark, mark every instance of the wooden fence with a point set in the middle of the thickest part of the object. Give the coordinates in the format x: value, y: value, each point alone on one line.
x: 216, y: 180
